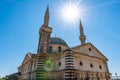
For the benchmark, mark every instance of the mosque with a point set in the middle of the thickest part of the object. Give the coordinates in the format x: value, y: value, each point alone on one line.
x: 55, y: 60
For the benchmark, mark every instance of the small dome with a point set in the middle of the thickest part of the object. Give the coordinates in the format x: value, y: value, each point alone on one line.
x: 56, y: 40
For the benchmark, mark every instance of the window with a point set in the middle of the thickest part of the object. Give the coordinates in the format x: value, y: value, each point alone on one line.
x: 100, y: 66
x: 81, y: 63
x: 59, y: 63
x: 50, y: 49
x: 34, y: 64
x: 59, y: 49
x: 89, y: 49
x: 91, y: 65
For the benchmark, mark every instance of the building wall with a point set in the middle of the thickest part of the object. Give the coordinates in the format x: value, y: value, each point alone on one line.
x: 62, y: 61
x: 27, y: 70
x: 84, y: 63
x: 81, y: 71
x: 88, y: 50
x: 55, y: 48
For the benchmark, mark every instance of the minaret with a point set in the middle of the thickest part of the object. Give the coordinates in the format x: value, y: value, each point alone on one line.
x: 82, y: 37
x: 44, y: 34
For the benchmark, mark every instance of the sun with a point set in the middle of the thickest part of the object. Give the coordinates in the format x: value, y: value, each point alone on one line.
x: 70, y: 11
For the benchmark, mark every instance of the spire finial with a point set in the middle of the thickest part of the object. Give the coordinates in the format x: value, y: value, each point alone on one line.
x: 82, y: 36
x: 46, y: 17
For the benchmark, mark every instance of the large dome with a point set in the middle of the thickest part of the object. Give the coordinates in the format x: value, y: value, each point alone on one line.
x: 56, y: 40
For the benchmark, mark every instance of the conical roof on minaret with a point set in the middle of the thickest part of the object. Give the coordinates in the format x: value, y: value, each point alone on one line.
x: 46, y: 17
x: 81, y: 29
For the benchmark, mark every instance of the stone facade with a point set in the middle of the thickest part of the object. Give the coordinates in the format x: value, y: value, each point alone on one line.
x: 55, y: 60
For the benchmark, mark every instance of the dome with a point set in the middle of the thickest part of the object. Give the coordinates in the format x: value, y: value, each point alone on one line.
x: 56, y: 40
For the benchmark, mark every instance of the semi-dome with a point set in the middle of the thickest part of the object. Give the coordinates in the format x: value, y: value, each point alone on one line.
x: 57, y: 40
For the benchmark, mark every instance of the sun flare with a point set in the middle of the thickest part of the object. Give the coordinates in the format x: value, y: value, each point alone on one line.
x: 70, y: 11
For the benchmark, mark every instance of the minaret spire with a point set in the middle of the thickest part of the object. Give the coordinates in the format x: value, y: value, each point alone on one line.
x: 82, y: 36
x: 46, y: 17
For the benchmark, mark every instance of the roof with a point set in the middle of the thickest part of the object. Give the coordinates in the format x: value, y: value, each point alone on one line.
x: 57, y: 40
x: 80, y: 50
x: 31, y: 54
x: 28, y: 57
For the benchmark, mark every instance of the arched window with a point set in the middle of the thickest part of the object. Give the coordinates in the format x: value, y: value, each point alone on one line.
x: 50, y: 49
x: 59, y: 49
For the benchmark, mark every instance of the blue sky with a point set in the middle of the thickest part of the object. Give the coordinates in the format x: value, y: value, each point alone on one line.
x: 20, y: 21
